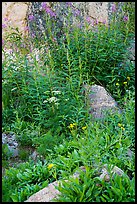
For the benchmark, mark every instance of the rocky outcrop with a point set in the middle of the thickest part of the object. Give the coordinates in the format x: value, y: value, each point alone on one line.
x: 16, y: 13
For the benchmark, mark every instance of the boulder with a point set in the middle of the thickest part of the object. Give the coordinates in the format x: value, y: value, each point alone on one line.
x: 10, y: 140
x: 99, y: 101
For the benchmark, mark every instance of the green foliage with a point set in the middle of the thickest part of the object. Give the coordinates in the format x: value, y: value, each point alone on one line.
x: 21, y: 182
x: 89, y: 188
x: 6, y: 154
x: 44, y: 105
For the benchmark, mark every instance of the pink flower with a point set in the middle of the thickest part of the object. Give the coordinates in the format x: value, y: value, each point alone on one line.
x: 104, y: 21
x: 33, y: 35
x: 113, y: 8
x: 31, y: 17
x: 96, y: 22
x: 2, y: 42
x: 44, y: 5
x: 4, y: 26
x: 88, y: 19
x: 26, y: 28
x: 125, y: 18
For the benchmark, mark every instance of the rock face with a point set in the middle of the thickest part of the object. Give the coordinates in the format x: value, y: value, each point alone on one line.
x: 17, y: 12
x: 98, y: 101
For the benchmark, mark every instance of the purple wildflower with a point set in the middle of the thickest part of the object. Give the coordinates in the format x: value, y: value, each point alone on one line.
x: 76, y: 12
x: 26, y: 28
x: 33, y: 35
x: 69, y: 3
x: 104, y: 21
x: 31, y: 17
x: 44, y: 5
x: 4, y: 26
x: 93, y: 23
x: 96, y: 22
x: 113, y: 8
x: 50, y: 12
x: 5, y: 19
x: 125, y: 18
x: 88, y: 19
x: 2, y: 42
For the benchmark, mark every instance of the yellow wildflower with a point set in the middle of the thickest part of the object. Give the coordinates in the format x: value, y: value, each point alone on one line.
x: 117, y: 84
x: 83, y: 128
x: 72, y: 125
x: 125, y: 82
x: 119, y: 125
x: 123, y: 128
x: 128, y: 78
x: 50, y: 166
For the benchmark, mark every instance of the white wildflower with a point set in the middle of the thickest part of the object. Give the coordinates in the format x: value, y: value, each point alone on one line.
x: 56, y: 92
x: 52, y: 99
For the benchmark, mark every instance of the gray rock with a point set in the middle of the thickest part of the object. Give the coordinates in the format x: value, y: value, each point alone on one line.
x: 14, y: 152
x: 10, y: 140
x: 46, y: 194
x: 99, y: 101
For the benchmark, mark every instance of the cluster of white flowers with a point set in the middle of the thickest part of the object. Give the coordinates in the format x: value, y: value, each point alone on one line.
x: 56, y: 92
x: 53, y: 99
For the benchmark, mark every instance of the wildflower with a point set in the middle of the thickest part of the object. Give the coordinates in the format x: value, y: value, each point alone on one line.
x: 56, y: 92
x: 26, y: 28
x: 52, y: 99
x: 128, y: 78
x: 104, y: 21
x: 31, y: 17
x: 44, y: 5
x: 123, y: 128
x: 125, y: 82
x: 119, y: 125
x: 50, y: 12
x: 117, y: 84
x: 83, y: 128
x: 113, y: 8
x: 50, y: 166
x: 88, y: 19
x: 2, y: 42
x: 33, y: 35
x: 72, y: 125
x: 5, y: 19
x: 125, y: 18
x: 96, y: 22
x: 4, y: 26
x: 69, y: 3
x: 93, y: 23
x: 76, y: 12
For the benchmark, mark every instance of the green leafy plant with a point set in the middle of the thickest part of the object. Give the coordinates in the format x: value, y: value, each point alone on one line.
x: 45, y: 106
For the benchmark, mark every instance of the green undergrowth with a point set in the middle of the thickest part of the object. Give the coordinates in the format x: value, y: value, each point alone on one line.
x: 44, y: 103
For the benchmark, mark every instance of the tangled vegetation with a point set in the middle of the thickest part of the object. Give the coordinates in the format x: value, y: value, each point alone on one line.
x: 44, y: 105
